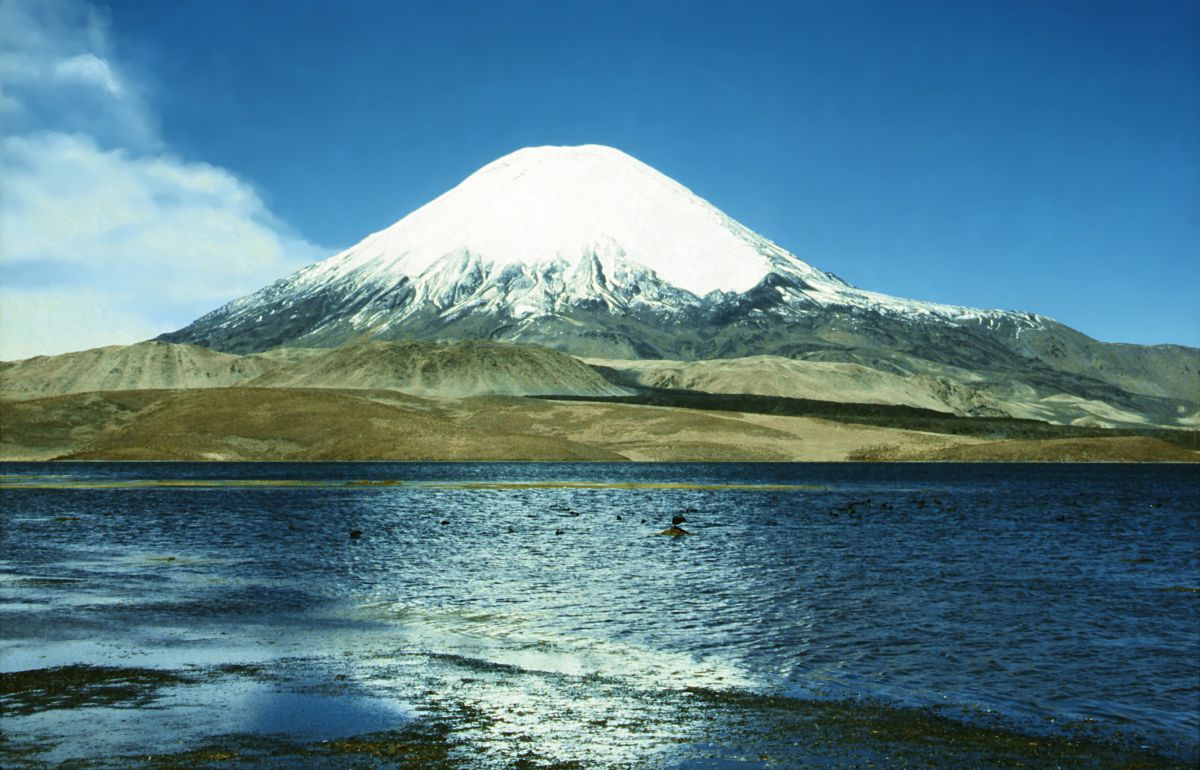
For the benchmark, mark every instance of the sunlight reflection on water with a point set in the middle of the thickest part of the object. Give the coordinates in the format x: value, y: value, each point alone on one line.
x: 540, y: 598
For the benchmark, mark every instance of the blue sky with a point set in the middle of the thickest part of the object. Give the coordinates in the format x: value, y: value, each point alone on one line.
x: 1041, y: 156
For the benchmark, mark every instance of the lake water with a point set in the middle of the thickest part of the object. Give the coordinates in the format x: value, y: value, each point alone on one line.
x: 529, y: 612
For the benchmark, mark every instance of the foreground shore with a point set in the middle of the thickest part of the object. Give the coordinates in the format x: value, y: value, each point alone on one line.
x: 292, y: 424
x: 445, y: 723
x: 528, y: 615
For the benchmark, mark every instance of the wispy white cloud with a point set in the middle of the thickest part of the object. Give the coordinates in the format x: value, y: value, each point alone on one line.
x: 89, y: 69
x: 58, y: 72
x: 145, y: 237
x: 106, y: 236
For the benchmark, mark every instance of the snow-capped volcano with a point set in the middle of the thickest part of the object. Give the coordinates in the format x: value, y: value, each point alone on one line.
x: 545, y: 229
x: 570, y: 204
x: 590, y: 251
x: 533, y: 240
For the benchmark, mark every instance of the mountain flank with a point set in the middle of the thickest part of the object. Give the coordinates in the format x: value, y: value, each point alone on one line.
x: 591, y: 252
x: 491, y: 401
x: 903, y: 381
x: 455, y: 370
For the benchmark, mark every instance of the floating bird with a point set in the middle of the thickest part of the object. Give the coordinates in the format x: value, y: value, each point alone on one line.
x: 675, y: 530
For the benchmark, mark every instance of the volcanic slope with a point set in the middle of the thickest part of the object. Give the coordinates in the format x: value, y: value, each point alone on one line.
x: 903, y: 382
x: 467, y: 368
x: 589, y: 251
x: 584, y: 234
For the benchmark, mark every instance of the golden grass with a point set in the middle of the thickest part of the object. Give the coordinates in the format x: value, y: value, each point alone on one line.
x: 294, y: 424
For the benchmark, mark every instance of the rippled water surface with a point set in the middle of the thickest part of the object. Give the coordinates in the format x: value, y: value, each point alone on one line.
x: 540, y: 597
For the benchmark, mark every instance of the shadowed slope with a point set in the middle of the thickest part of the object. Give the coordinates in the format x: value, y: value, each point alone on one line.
x: 908, y: 381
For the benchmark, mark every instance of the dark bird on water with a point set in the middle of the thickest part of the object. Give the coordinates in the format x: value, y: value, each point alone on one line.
x: 675, y: 529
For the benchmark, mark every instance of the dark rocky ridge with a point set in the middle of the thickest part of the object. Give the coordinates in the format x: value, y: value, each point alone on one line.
x: 991, y: 350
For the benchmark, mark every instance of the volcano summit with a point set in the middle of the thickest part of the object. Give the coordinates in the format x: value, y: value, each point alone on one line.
x: 590, y: 251
x: 541, y: 236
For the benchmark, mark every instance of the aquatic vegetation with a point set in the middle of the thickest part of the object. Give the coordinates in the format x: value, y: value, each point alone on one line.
x: 864, y: 733
x: 67, y: 687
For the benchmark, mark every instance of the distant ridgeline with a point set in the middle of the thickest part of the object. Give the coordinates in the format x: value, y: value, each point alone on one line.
x: 471, y: 401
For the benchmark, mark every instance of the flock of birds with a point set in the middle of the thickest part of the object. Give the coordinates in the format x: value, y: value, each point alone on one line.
x: 853, y: 508
x: 674, y: 530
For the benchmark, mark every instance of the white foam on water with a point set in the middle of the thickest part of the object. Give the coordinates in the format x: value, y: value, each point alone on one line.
x: 512, y: 640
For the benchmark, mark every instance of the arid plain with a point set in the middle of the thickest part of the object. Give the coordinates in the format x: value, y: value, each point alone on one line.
x: 374, y: 401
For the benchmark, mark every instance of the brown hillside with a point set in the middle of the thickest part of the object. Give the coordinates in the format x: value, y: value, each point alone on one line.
x: 277, y: 424
x: 1075, y: 450
x: 455, y: 370
x: 311, y: 424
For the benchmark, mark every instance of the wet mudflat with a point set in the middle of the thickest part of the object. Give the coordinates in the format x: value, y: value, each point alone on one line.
x: 821, y: 616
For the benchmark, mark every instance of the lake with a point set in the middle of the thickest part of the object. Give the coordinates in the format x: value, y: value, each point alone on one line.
x: 528, y: 615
